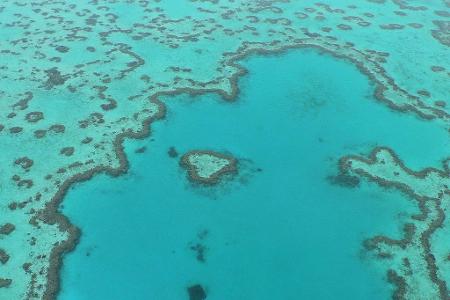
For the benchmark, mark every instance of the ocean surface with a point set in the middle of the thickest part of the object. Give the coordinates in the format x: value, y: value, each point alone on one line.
x: 279, y: 229
x: 224, y: 149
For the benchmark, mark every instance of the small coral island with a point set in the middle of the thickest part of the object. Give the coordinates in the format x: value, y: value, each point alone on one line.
x: 208, y: 167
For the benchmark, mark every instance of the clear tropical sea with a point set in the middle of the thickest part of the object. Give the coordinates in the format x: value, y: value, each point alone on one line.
x: 280, y: 229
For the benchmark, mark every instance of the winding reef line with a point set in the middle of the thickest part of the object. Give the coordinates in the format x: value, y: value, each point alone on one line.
x: 437, y: 222
x: 50, y: 214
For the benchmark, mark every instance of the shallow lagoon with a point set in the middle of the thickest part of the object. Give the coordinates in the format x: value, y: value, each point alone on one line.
x: 280, y: 229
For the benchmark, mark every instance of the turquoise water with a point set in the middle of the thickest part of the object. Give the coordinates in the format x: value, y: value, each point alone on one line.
x: 278, y: 230
x: 280, y: 226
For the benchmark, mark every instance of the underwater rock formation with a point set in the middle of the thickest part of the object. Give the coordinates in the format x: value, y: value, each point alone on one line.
x: 207, y: 167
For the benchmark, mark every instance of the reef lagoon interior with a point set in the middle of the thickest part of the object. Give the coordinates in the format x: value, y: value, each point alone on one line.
x: 224, y: 150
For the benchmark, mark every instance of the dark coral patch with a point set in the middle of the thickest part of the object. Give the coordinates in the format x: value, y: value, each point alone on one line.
x: 16, y: 129
x: 62, y: 49
x: 24, y: 162
x: 40, y: 133
x: 172, y: 152
x: 54, y: 78
x: 199, y: 250
x: 34, y: 116
x: 67, y: 151
x: 57, y: 128
x: 7, y: 228
x: 344, y: 180
x: 196, y: 292
x: 140, y: 150
x: 5, y: 282
x: 4, y: 257
x: 87, y: 140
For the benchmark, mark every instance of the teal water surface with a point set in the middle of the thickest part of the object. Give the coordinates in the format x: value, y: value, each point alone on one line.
x: 278, y: 230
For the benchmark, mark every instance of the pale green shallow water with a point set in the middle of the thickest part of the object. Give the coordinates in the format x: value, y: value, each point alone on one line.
x: 283, y: 233
x: 279, y: 229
